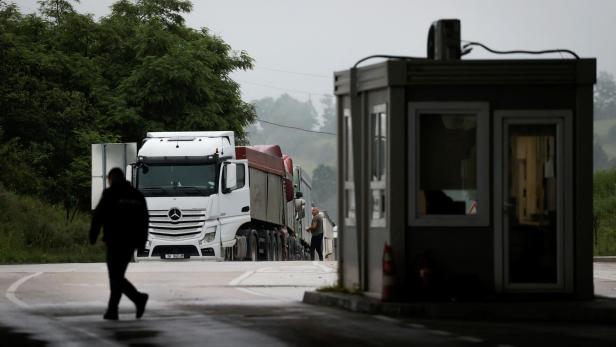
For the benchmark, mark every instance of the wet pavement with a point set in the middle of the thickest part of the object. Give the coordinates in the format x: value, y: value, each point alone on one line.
x: 239, y: 304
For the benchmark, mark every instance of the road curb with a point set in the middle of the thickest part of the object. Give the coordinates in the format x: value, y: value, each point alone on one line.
x: 604, y: 259
x: 600, y: 310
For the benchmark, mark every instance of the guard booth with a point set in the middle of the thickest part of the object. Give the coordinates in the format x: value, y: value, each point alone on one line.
x: 478, y: 173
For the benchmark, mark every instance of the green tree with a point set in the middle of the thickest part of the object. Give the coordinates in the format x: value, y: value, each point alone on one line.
x: 308, y: 149
x: 600, y: 159
x: 329, y: 114
x: 605, y: 96
x: 324, y: 189
x: 67, y: 81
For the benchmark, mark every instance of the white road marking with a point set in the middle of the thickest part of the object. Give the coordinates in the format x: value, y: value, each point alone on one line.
x: 416, y: 326
x: 322, y: 267
x: 470, y: 339
x: 239, y: 279
x: 253, y: 292
x: 10, y: 293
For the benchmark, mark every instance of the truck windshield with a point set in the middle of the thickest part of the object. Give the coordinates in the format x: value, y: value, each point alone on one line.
x: 177, y: 179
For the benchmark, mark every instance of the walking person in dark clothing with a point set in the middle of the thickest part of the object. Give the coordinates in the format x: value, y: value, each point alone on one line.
x: 123, y: 214
x: 316, y: 229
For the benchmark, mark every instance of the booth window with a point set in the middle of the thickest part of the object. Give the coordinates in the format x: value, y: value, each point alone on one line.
x: 378, y: 164
x: 349, y: 186
x: 450, y: 164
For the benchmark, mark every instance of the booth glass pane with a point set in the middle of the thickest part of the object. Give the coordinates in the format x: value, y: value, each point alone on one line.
x: 348, y: 147
x: 350, y: 203
x: 378, y: 165
x: 531, y: 204
x: 447, y: 164
x: 379, y: 138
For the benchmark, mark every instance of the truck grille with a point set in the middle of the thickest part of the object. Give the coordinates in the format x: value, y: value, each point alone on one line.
x: 190, y: 223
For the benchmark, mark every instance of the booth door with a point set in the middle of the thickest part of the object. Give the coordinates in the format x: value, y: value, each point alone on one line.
x: 531, y: 206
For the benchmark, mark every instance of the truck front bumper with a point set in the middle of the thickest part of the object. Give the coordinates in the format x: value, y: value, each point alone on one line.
x: 173, y: 250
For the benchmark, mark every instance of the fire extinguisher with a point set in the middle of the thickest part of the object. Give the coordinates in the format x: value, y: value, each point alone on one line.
x: 388, y: 274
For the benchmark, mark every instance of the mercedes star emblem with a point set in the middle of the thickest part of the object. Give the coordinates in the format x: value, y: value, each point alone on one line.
x: 175, y: 214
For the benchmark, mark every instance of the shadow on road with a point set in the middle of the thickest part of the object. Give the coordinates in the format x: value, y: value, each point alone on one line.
x: 10, y: 337
x: 133, y: 337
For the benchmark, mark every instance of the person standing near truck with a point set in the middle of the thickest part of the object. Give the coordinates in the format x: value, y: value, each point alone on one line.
x: 316, y: 229
x: 123, y: 214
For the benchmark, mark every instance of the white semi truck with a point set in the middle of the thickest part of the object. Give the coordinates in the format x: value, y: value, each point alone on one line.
x: 209, y: 199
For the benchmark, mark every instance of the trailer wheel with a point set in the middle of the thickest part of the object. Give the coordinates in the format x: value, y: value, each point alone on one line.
x: 279, y: 248
x: 252, y: 248
x: 298, y: 251
x: 275, y: 248
x: 291, y: 251
x: 268, y: 247
x: 267, y: 254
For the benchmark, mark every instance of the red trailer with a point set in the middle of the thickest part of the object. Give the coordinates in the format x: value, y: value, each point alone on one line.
x: 272, y: 201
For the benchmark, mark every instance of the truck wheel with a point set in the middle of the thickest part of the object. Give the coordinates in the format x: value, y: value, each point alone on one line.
x: 298, y: 251
x: 291, y: 251
x: 275, y: 248
x: 280, y: 248
x: 252, y: 248
x: 265, y: 247
x: 269, y: 250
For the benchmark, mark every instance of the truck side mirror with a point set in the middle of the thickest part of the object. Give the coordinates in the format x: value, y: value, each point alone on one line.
x: 230, y: 177
x: 300, y: 208
x: 130, y: 174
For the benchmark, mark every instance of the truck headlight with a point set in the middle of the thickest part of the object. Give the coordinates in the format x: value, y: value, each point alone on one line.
x: 210, y: 235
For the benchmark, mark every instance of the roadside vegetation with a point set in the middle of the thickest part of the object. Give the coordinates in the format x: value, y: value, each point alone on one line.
x: 68, y: 80
x: 33, y: 231
x: 314, y: 151
x: 604, y: 212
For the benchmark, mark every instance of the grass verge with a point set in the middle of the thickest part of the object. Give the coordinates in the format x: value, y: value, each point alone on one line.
x: 32, y: 231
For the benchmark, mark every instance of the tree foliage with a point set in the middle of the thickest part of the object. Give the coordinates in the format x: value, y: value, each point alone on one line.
x: 329, y: 114
x: 307, y: 148
x: 67, y: 81
x: 324, y: 189
x: 605, y: 96
x: 315, y: 152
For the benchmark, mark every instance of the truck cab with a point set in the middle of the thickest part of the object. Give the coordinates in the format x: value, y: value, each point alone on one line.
x: 197, y: 193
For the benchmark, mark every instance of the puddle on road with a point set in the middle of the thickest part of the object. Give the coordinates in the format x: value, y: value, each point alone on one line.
x: 10, y: 337
x: 133, y: 337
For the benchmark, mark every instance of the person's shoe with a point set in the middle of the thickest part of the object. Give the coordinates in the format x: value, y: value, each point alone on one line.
x: 111, y: 315
x: 141, y: 305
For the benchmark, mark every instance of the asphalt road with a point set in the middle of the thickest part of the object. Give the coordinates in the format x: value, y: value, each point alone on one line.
x: 235, y: 304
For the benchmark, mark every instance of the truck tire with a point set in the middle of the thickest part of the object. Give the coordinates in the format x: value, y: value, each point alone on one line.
x: 275, y: 247
x: 265, y: 256
x: 279, y: 248
x: 291, y: 252
x: 252, y: 248
x: 268, y: 246
x: 298, y: 251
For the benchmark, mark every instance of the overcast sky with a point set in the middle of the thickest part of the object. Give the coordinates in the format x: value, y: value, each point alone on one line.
x: 309, y: 40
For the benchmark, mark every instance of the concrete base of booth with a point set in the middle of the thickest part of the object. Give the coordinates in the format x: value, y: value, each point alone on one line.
x: 600, y: 310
